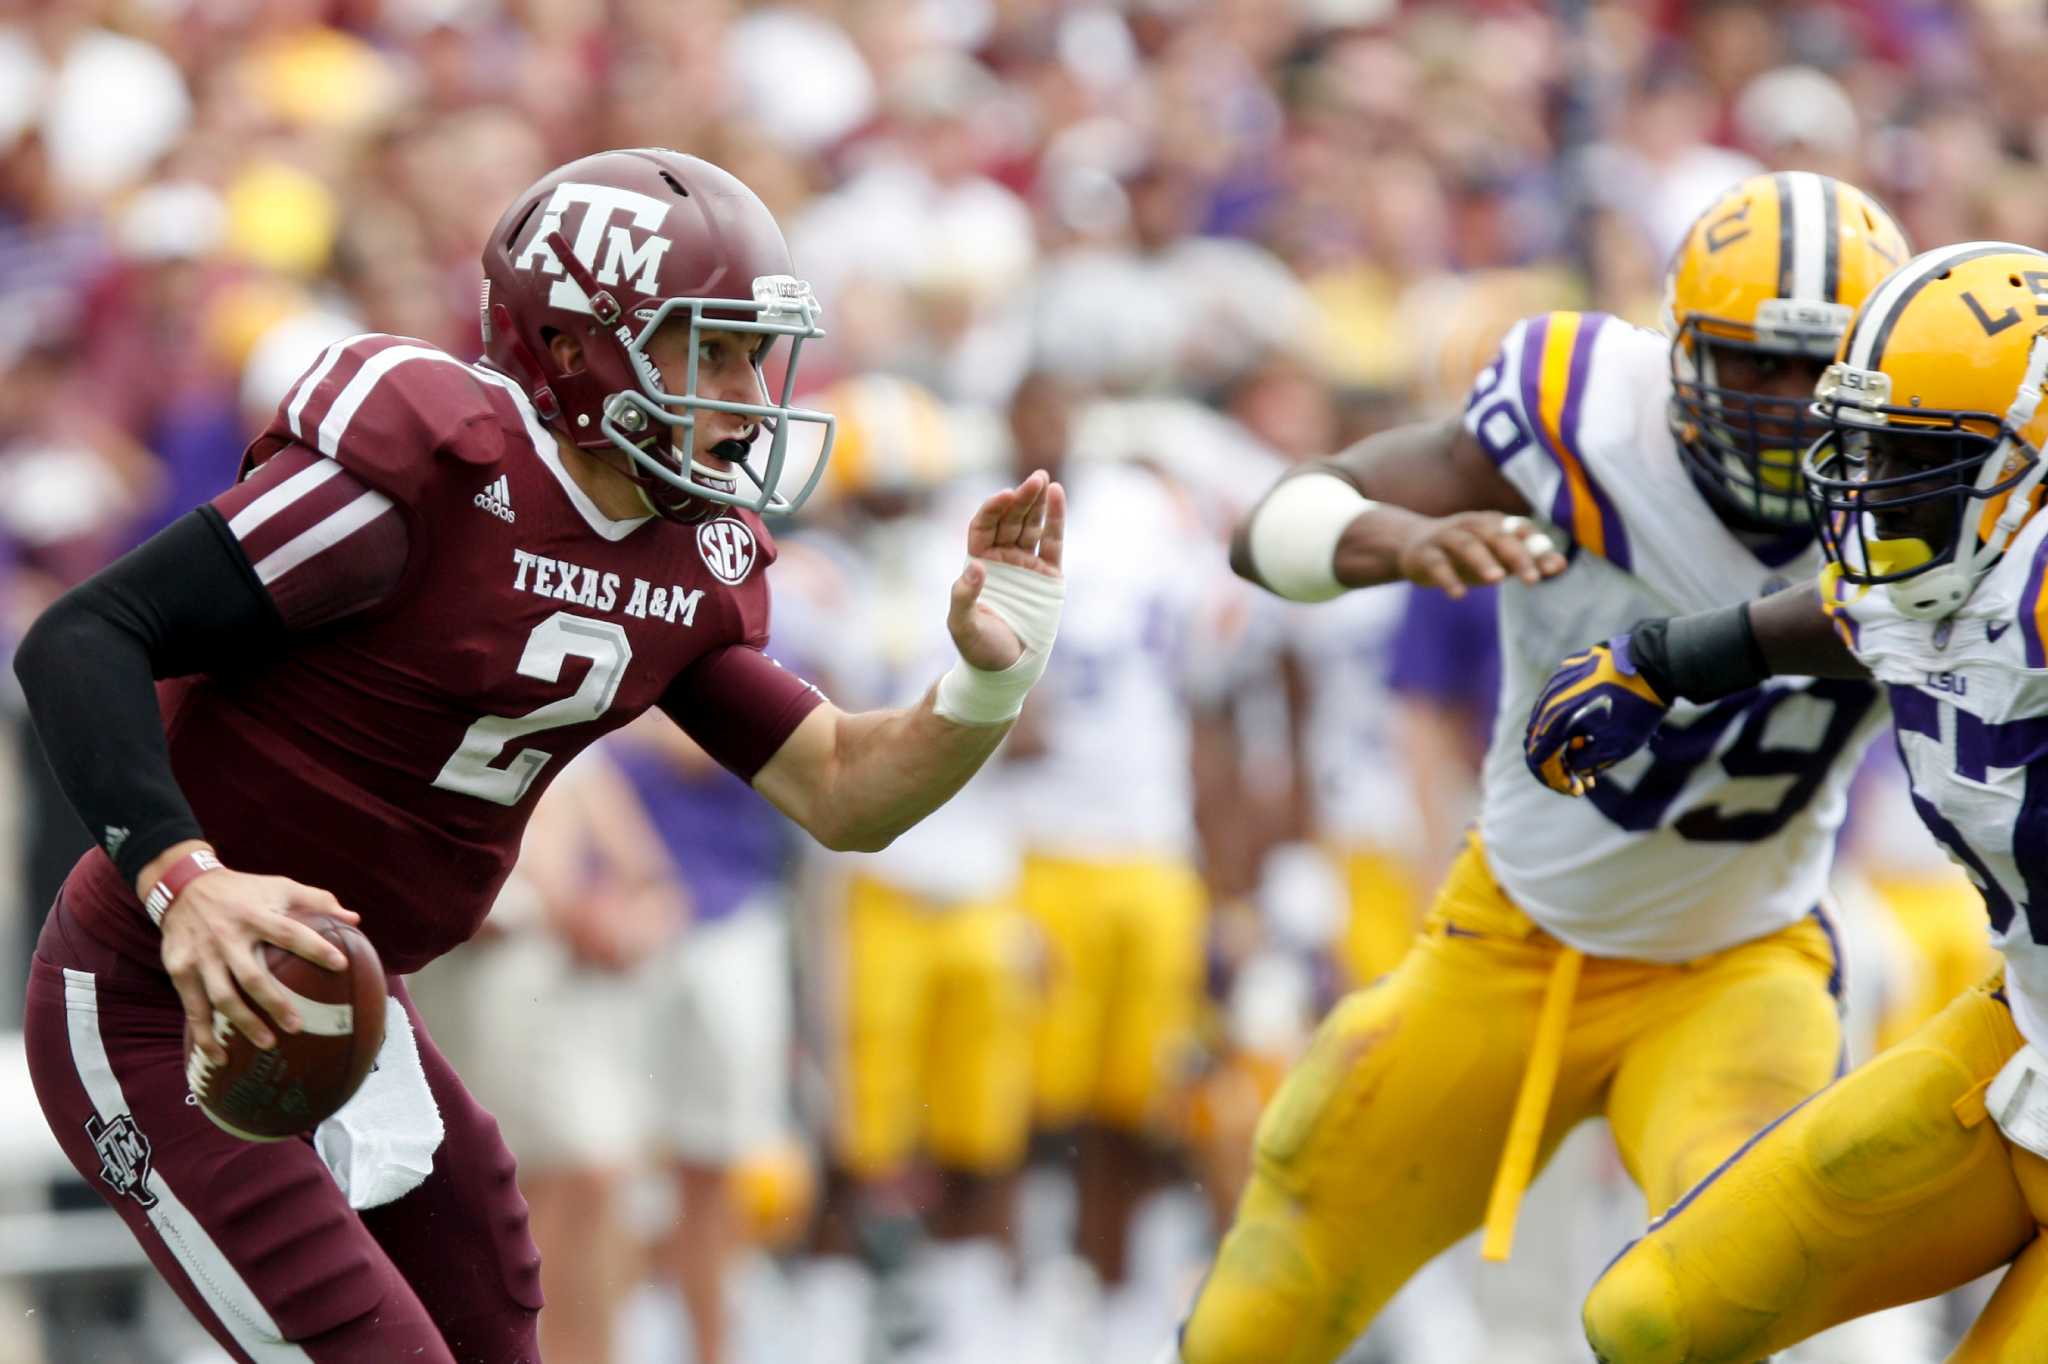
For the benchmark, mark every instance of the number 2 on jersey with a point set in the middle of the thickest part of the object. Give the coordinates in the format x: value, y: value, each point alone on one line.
x: 471, y: 768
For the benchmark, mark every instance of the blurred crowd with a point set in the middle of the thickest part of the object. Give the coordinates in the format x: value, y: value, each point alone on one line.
x: 1162, y: 247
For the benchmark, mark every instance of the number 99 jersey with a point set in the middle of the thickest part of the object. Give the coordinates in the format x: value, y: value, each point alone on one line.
x: 462, y: 620
x: 1722, y: 829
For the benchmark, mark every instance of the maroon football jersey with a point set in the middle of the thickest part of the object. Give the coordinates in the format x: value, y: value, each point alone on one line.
x: 464, y: 620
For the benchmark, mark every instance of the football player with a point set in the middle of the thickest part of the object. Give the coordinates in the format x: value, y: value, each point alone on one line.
x: 1101, y: 777
x: 925, y: 963
x: 1657, y: 955
x: 541, y: 1014
x: 435, y: 582
x: 1925, y: 1167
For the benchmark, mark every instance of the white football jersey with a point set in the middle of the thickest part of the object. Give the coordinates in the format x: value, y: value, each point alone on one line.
x: 1722, y: 829
x: 1358, y: 773
x: 876, y: 627
x: 1113, y: 779
x: 1970, y: 707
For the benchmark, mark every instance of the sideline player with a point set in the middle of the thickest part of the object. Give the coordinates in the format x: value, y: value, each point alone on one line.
x: 1925, y: 1167
x: 1110, y: 879
x: 714, y: 1012
x: 539, y: 1012
x: 436, y: 583
x: 1658, y: 955
x: 922, y: 962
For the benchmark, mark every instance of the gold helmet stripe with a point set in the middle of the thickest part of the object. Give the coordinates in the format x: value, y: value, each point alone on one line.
x: 1882, y: 312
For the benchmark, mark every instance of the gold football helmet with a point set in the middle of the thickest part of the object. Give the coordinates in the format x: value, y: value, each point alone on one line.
x: 1932, y: 458
x: 1775, y: 267
x: 895, y: 439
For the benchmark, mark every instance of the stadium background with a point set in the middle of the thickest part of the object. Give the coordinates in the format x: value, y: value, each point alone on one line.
x: 1219, y: 236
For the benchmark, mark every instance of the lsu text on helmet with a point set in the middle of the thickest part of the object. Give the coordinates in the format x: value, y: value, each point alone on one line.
x: 1931, y: 461
x: 1773, y: 269
x: 607, y: 250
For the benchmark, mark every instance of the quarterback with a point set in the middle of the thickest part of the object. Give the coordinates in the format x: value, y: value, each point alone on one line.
x: 1928, y: 1165
x: 1657, y: 955
x: 435, y: 582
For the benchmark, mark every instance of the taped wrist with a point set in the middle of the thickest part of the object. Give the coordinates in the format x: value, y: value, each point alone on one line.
x: 1701, y: 657
x: 1029, y: 603
x: 1294, y: 533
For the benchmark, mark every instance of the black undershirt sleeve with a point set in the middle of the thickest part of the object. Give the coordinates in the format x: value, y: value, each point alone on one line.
x: 185, y: 602
x: 1701, y: 657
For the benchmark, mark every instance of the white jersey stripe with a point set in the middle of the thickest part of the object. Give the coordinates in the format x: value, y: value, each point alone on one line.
x: 282, y: 496
x: 211, y: 1273
x: 1809, y: 233
x: 332, y: 530
x: 358, y: 389
x: 304, y: 393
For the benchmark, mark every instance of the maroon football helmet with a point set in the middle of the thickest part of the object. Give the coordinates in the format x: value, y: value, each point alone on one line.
x: 606, y: 249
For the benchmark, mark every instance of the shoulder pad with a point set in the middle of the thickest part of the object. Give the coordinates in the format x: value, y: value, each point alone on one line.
x: 390, y: 409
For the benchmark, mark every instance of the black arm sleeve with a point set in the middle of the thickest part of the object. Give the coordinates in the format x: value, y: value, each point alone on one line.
x: 1701, y: 657
x: 185, y: 602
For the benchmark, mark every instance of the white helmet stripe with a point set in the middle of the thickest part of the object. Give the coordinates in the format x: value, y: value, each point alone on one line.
x: 1805, y: 206
x: 1880, y: 313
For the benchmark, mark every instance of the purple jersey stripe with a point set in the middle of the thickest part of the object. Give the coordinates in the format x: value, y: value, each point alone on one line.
x: 1534, y: 337
x: 1568, y: 428
x: 1563, y: 508
x: 2030, y: 611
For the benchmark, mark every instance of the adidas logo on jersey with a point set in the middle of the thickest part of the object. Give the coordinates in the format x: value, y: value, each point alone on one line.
x: 496, y: 499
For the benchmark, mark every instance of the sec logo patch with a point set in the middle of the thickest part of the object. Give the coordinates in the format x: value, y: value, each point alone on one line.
x: 729, y: 550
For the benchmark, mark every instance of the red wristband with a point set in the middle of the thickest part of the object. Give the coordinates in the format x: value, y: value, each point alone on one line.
x: 182, y: 873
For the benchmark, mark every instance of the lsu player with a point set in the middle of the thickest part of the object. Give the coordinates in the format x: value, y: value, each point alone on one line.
x: 1358, y: 777
x: 1099, y: 773
x: 1657, y: 955
x: 1925, y: 1167
x: 928, y: 958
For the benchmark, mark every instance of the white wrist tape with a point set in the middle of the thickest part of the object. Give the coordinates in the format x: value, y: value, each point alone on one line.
x: 1028, y: 603
x: 1294, y: 535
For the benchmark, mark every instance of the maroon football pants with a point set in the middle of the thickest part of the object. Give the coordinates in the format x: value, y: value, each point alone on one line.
x: 256, y: 1237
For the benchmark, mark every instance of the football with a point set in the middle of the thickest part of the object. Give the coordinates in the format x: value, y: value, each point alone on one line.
x: 299, y: 1083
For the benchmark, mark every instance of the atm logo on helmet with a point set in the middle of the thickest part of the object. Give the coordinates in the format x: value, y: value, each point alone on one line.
x: 604, y: 240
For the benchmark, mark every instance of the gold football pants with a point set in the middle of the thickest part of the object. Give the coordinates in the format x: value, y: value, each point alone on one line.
x: 1380, y: 1150
x: 1888, y: 1186
x: 1124, y: 983
x: 936, y: 1052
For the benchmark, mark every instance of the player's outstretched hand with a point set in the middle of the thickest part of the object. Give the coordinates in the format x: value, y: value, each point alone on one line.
x: 213, y: 936
x: 1595, y: 710
x: 1024, y: 527
x: 1478, y: 549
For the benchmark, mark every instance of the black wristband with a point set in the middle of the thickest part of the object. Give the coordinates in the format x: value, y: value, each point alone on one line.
x: 1701, y: 657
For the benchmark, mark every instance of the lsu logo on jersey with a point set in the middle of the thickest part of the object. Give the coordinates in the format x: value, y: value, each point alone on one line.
x: 608, y: 247
x: 728, y: 549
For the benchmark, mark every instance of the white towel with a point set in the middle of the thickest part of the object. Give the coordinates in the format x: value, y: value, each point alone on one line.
x: 2018, y: 1099
x: 380, y: 1145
